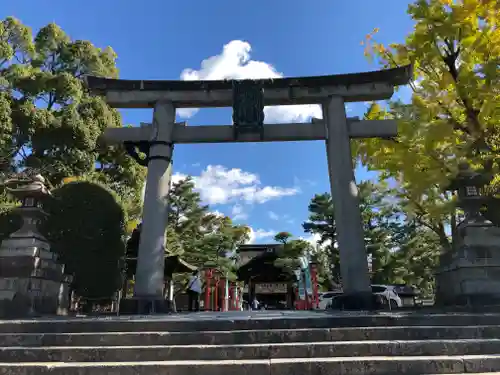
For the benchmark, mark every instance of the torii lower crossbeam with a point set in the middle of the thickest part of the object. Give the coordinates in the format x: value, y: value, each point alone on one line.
x: 314, y: 131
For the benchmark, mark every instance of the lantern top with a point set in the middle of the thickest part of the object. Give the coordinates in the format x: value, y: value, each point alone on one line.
x: 29, y: 183
x: 466, y: 176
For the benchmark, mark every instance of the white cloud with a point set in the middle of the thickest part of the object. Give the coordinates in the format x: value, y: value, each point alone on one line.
x: 238, y: 212
x: 219, y: 185
x: 234, y: 62
x: 283, y: 218
x: 186, y: 112
x: 273, y: 215
x: 313, y: 240
x: 176, y: 177
x: 260, y: 234
x: 217, y: 213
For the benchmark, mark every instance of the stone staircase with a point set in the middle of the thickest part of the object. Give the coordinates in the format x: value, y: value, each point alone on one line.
x: 257, y: 343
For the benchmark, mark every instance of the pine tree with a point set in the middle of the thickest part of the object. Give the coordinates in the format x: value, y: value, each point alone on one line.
x: 321, y: 222
x: 201, y: 236
x: 381, y: 224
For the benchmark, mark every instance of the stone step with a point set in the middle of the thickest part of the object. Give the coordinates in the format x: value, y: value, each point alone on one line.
x: 228, y: 321
x: 249, y: 337
x: 281, y: 366
x: 256, y: 351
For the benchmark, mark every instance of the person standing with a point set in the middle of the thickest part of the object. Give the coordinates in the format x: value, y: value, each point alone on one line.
x: 194, y: 291
x: 255, y: 303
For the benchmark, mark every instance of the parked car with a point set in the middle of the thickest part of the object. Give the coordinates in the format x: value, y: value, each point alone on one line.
x: 389, y: 292
x: 325, y: 298
x: 410, y: 296
x: 388, y: 295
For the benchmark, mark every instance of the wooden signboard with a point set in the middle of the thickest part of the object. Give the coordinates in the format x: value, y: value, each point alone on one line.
x: 271, y: 288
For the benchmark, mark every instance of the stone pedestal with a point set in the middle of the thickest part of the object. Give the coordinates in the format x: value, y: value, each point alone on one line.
x: 470, y: 274
x: 32, y: 282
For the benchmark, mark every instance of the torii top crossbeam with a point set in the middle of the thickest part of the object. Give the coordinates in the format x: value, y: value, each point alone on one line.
x: 376, y: 85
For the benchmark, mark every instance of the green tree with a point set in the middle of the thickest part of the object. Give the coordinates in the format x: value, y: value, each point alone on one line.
x: 381, y: 217
x: 200, y: 237
x: 49, y: 121
x: 283, y: 237
x: 203, y: 236
x: 86, y: 228
x: 323, y: 273
x: 291, y: 251
x: 454, y: 114
x: 381, y: 222
x: 321, y: 222
x: 416, y: 258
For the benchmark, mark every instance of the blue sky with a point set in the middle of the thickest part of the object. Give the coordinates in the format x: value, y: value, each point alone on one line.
x: 269, y: 185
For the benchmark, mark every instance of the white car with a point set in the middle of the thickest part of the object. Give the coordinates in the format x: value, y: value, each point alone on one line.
x: 325, y: 298
x: 388, y: 291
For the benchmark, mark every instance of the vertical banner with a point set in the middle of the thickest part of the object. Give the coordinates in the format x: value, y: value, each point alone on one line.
x: 300, y: 284
x: 307, y: 276
x: 226, y: 295
x: 304, y: 265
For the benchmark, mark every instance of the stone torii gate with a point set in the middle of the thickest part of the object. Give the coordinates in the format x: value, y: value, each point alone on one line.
x: 248, y: 97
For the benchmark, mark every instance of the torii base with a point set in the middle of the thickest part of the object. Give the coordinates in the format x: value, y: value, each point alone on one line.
x: 358, y: 302
x: 144, y: 306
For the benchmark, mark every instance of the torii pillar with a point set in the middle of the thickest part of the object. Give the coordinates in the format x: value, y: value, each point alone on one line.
x: 148, y: 287
x: 350, y: 235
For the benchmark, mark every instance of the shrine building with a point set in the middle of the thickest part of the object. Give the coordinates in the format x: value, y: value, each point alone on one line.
x: 271, y: 285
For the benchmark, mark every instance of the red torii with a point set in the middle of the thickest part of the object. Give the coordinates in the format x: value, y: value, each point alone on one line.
x: 215, y: 279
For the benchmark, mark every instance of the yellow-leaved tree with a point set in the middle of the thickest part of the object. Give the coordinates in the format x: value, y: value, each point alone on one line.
x: 454, y: 113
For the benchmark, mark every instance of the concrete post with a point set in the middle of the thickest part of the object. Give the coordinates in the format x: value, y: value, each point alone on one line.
x: 150, y: 262
x: 353, y: 257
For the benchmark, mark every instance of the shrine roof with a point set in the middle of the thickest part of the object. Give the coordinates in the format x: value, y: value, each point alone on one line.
x: 262, y: 267
x: 395, y: 76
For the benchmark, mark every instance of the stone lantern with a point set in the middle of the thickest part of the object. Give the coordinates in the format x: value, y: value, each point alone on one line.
x: 469, y: 186
x: 469, y: 274
x: 32, y: 282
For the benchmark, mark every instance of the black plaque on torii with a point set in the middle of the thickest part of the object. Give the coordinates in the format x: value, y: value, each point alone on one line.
x: 248, y: 107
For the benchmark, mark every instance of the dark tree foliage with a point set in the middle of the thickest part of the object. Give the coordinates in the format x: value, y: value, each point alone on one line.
x: 86, y: 227
x: 290, y: 252
x: 197, y: 235
x: 283, y: 237
x: 400, y: 250
x: 49, y: 120
x: 321, y: 222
